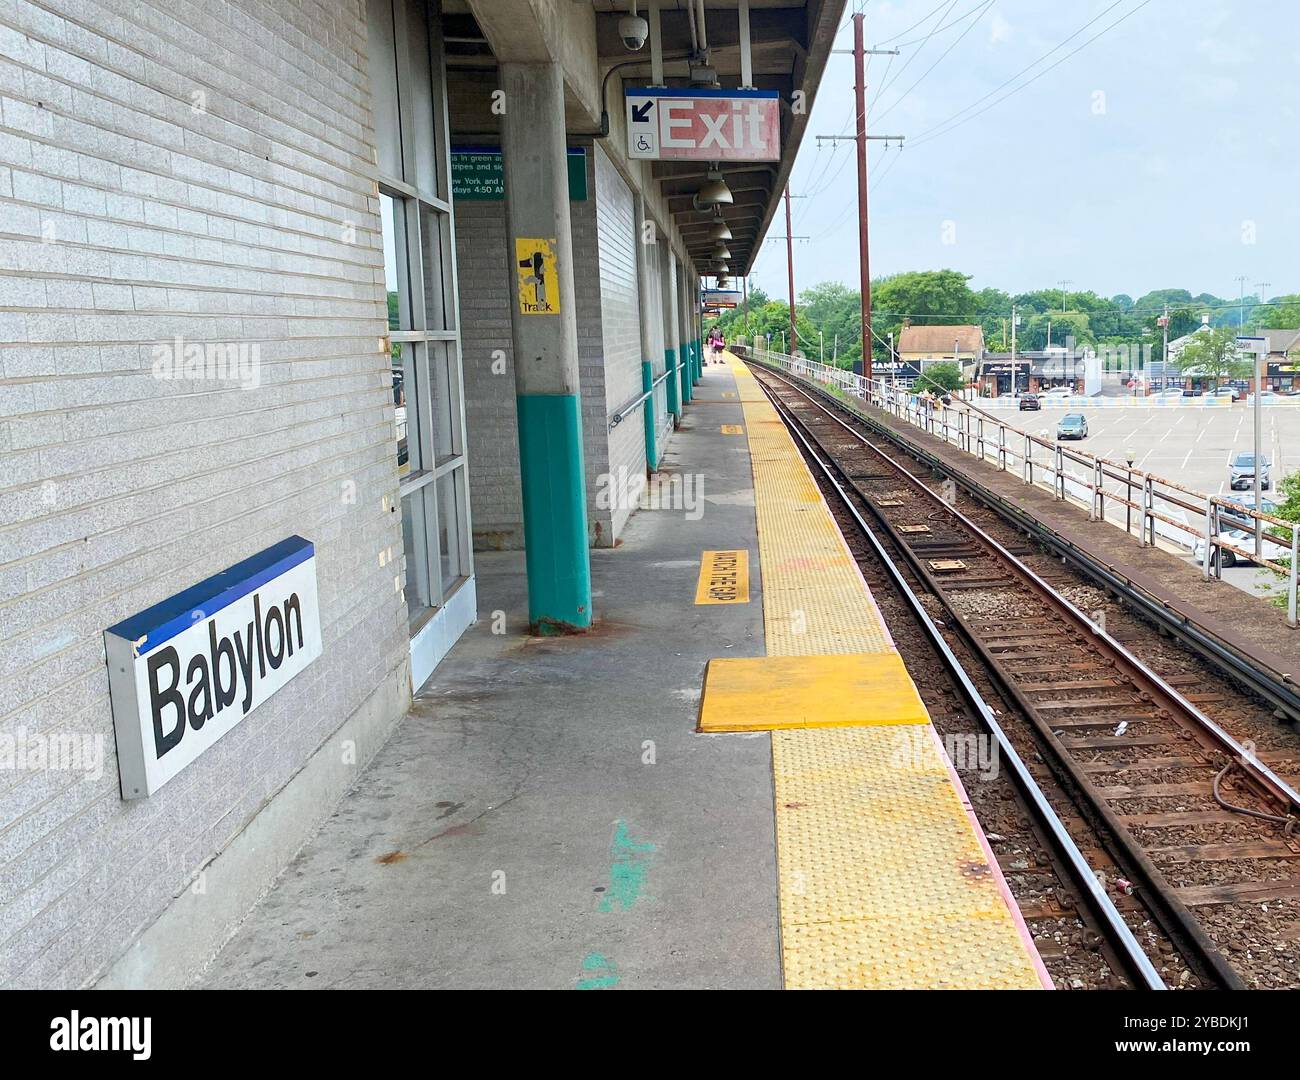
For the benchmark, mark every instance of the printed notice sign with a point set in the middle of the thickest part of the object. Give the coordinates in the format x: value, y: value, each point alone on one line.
x: 539, y: 284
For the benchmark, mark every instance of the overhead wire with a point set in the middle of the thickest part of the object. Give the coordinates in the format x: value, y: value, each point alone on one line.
x: 945, y: 126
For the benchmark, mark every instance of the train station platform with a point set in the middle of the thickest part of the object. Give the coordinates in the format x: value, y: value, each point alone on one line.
x: 714, y: 788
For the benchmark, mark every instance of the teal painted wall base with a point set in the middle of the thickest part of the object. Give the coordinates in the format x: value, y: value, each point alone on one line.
x: 672, y: 383
x: 687, y: 367
x: 648, y: 412
x: 555, y: 512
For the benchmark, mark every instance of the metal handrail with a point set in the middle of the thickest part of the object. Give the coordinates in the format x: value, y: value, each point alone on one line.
x: 1090, y: 490
x: 622, y: 414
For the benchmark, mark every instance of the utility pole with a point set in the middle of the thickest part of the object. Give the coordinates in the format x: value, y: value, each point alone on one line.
x: 744, y: 284
x: 1063, y: 283
x: 1241, y: 301
x: 860, y: 53
x: 860, y: 93
x: 1164, y: 352
x: 1014, y: 380
x: 1262, y: 286
x: 789, y: 260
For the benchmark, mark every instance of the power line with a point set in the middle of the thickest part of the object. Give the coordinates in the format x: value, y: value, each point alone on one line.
x: 959, y: 18
x: 919, y: 49
x: 934, y: 131
x: 987, y: 4
x: 922, y: 19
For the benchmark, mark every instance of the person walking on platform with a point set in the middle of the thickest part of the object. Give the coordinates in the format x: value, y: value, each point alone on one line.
x: 717, y: 343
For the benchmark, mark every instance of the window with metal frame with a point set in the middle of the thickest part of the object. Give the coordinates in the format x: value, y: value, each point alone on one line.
x: 409, y: 100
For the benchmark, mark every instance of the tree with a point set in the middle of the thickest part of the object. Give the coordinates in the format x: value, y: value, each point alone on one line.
x: 1282, y: 313
x: 925, y: 297
x: 946, y: 375
x: 835, y: 310
x: 1065, y: 326
x: 773, y: 319
x: 732, y: 320
x: 1214, y: 355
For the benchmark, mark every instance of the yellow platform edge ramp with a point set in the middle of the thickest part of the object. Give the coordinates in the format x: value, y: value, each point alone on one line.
x: 886, y: 880
x: 766, y: 693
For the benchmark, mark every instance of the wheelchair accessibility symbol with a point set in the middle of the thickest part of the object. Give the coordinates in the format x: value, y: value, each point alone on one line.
x: 642, y: 143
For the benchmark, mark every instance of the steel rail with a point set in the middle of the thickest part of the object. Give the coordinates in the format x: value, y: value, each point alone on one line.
x: 1136, y: 669
x: 1172, y: 914
x: 1278, y: 688
x: 1103, y: 908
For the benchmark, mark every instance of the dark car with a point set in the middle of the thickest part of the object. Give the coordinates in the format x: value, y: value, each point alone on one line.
x: 1030, y: 401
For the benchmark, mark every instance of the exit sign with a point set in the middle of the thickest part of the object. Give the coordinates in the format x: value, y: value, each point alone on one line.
x: 703, y: 124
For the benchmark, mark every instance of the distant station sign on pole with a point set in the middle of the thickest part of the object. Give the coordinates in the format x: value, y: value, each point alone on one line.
x: 703, y: 124
x: 719, y: 297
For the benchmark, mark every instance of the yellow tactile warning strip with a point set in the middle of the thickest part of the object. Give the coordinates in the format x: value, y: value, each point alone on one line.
x: 885, y: 877
x: 724, y: 578
x: 884, y: 884
x: 814, y: 599
x: 763, y: 693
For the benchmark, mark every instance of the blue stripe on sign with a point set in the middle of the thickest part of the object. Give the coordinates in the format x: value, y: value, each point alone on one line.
x: 169, y: 617
x: 677, y: 91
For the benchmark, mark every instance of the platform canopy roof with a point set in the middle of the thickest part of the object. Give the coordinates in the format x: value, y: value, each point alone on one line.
x: 790, y: 43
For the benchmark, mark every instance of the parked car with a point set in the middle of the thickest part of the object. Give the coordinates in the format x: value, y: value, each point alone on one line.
x: 1229, y: 392
x: 1241, y: 473
x: 1232, y: 513
x: 1265, y: 398
x: 1244, y: 539
x: 1072, y: 426
x: 1058, y: 392
x: 1029, y: 401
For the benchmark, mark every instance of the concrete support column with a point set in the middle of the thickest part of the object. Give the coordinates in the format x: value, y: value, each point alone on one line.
x: 697, y: 325
x: 684, y: 329
x: 544, y: 332
x: 688, y: 372
x: 647, y: 281
x: 672, y: 339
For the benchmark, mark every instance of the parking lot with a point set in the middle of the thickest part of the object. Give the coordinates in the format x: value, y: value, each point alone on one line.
x: 1189, y: 444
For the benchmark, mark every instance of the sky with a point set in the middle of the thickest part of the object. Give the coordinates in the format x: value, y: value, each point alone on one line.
x: 1163, y: 154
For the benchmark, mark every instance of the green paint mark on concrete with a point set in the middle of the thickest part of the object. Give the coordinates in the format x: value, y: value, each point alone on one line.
x: 594, y: 962
x: 627, y: 871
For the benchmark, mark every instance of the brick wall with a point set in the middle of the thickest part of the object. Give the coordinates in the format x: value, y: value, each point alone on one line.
x: 193, y: 169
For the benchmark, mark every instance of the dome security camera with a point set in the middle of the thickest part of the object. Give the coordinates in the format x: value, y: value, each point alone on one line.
x: 633, y: 30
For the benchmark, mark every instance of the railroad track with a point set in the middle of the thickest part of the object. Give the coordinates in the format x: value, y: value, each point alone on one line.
x: 1118, y: 740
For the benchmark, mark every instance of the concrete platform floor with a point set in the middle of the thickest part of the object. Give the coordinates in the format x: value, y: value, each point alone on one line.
x: 546, y: 816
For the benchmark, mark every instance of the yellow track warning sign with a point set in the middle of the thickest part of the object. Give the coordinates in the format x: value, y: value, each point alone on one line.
x: 539, y: 284
x: 724, y: 578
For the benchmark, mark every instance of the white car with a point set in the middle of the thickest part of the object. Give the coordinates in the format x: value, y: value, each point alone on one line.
x: 1273, y: 549
x: 1268, y: 397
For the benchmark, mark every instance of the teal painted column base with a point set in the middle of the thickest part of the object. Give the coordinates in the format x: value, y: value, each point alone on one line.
x: 672, y: 383
x: 699, y: 365
x: 555, y: 513
x: 688, y: 367
x: 648, y: 412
